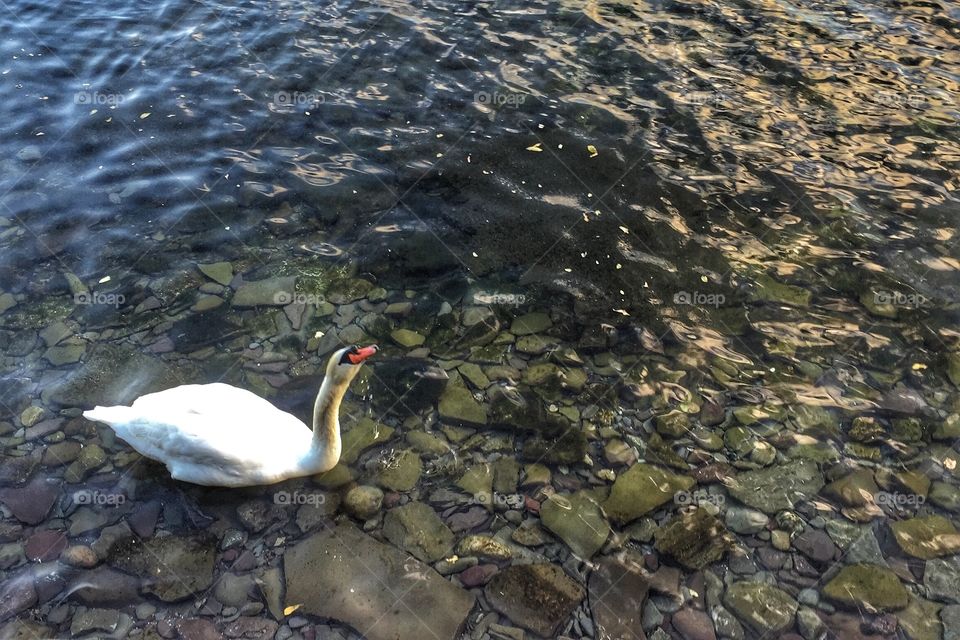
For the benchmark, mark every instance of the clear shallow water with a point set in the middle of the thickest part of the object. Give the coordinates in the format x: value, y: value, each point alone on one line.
x: 751, y: 202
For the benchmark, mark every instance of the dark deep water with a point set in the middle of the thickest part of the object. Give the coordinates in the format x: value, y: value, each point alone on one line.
x: 695, y: 250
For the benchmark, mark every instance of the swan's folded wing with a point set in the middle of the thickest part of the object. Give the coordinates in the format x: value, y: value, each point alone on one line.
x: 217, y: 399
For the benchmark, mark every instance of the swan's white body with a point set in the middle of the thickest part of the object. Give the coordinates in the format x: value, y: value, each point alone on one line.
x: 219, y: 435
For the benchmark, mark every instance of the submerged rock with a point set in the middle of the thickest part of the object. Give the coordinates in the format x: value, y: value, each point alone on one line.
x: 694, y: 539
x: 777, y: 488
x: 921, y: 620
x: 641, y: 489
x: 172, y: 568
x: 869, y: 585
x: 568, y: 447
x: 417, y: 381
x: 942, y: 579
x: 363, y: 502
x: 927, y: 537
x: 459, y: 407
x: 364, y: 434
x: 764, y: 608
x: 617, y: 593
x: 530, y: 323
x: 538, y: 597
x: 402, y: 472
x: 274, y: 292
x: 417, y: 529
x: 31, y: 503
x: 113, y: 375
x: 319, y: 569
x: 578, y: 520
x: 484, y: 547
x: 17, y: 593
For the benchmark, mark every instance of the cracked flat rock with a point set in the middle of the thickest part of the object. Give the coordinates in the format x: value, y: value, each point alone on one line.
x: 777, y: 488
x: 173, y: 568
x: 346, y: 575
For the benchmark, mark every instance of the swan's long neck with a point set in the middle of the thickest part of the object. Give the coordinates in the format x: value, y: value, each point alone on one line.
x: 326, y: 419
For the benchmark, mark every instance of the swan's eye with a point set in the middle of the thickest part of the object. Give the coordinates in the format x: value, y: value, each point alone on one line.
x: 345, y: 358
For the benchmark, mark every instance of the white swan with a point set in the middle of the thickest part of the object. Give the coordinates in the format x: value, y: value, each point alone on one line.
x: 221, y: 436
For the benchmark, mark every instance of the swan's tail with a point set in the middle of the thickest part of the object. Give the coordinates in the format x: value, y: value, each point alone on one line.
x: 108, y: 415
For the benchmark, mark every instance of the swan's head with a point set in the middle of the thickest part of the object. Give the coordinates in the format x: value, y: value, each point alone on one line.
x: 344, y: 364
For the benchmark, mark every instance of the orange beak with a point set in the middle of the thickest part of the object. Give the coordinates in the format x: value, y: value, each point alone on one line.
x: 363, y: 353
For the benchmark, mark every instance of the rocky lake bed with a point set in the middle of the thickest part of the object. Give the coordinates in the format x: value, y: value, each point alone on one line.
x: 506, y: 473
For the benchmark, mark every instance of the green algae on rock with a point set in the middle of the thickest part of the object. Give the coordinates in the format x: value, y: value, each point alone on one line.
x: 402, y: 472
x: 763, y: 607
x: 641, y: 489
x: 459, y: 407
x: 417, y: 529
x: 858, y: 585
x: 927, y: 537
x: 695, y: 539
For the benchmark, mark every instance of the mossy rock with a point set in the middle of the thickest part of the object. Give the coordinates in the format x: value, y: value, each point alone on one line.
x: 402, y: 472
x: 767, y: 289
x: 694, y: 539
x: 641, y: 489
x: 927, y: 537
x: 577, y: 520
x: 870, y: 585
x: 364, y: 434
x: 766, y: 609
x: 567, y: 448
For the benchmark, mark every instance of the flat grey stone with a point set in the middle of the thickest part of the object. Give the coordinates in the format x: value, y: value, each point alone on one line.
x: 386, y: 594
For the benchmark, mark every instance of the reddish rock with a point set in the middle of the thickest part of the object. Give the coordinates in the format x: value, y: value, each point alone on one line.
x: 467, y: 520
x: 478, y: 575
x: 693, y: 624
x: 391, y: 499
x: 532, y: 505
x: 45, y: 545
x: 31, y: 503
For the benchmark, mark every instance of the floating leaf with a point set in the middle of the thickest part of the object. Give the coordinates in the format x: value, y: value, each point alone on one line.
x: 592, y: 150
x: 145, y: 115
x: 535, y: 147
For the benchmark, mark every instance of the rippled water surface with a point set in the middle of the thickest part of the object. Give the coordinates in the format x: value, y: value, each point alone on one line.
x: 694, y: 250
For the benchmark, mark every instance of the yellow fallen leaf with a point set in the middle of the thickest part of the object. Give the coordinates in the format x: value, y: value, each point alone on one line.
x: 288, y: 610
x: 593, y: 151
x: 918, y: 366
x: 535, y: 147
x: 144, y: 115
